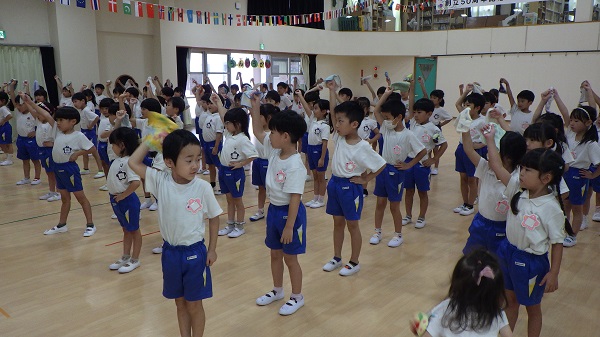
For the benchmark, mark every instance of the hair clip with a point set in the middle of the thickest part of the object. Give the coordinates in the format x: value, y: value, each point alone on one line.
x: 486, y: 272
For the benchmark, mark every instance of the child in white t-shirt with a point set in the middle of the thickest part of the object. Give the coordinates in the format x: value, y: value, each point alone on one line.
x: 89, y: 121
x: 286, y: 219
x: 5, y: 130
x: 439, y: 118
x: 45, y: 141
x: 185, y: 201
x: 520, y: 115
x: 66, y: 92
x: 201, y: 114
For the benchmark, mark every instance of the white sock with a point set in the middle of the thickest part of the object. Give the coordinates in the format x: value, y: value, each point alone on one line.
x: 278, y: 290
x: 261, y: 211
x: 321, y: 198
x: 147, y: 199
x: 9, y: 157
x: 297, y: 297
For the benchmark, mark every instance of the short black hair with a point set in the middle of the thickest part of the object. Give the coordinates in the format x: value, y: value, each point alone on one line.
x: 41, y: 92
x: 283, y: 85
x: 223, y: 85
x: 133, y: 91
x: 312, y: 96
x: 237, y: 97
x: 167, y: 91
x: 264, y: 86
x: 106, y: 102
x: 272, y: 94
x: 177, y: 140
x: 79, y: 96
x: 352, y: 110
x: 268, y: 110
x: 489, y: 97
x: 177, y: 102
x: 238, y: 116
x: 118, y: 90
x: 205, y: 98
x: 345, y: 91
x: 67, y: 112
x: 364, y: 102
x: 235, y: 87
x: 395, y: 107
x: 289, y: 122
x: 151, y: 104
x: 476, y: 99
x: 423, y: 104
x: 381, y: 90
x: 126, y: 136
x: 114, y: 107
x: 526, y: 94
x: 179, y: 90
x: 99, y: 85
x: 4, y: 97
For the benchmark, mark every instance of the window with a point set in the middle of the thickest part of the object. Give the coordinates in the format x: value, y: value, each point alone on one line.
x: 285, y: 69
x: 483, y: 11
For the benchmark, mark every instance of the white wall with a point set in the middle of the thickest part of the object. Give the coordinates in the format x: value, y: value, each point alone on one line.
x: 25, y: 24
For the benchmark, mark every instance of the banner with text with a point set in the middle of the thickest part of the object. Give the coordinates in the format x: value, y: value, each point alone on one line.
x: 457, y: 4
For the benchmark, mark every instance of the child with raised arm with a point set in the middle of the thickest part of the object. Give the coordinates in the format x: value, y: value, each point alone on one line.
x: 286, y: 219
x: 68, y: 145
x: 88, y: 123
x: 66, y: 92
x: 185, y: 201
x: 5, y: 130
x: 213, y: 140
x: 351, y: 158
x: 401, y: 151
x: 520, y: 114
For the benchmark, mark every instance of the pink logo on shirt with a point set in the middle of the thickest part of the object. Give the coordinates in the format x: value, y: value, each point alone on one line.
x: 280, y: 177
x: 426, y: 138
x: 530, y: 221
x: 502, y: 206
x: 350, y: 166
x: 194, y: 205
x: 574, y: 154
x: 525, y: 125
x: 397, y: 149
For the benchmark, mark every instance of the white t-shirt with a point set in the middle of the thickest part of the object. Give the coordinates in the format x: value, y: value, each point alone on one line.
x: 519, y: 120
x: 212, y: 125
x: 493, y: 203
x: 87, y: 117
x: 182, y: 208
x: 475, y: 130
x: 4, y: 112
x: 104, y: 126
x: 318, y: 131
x: 178, y: 121
x: 435, y: 328
x: 353, y: 160
x: 136, y: 109
x: 99, y: 98
x: 284, y: 176
x: 584, y: 154
x: 299, y: 108
x: 399, y: 145
x: 284, y: 103
x: 65, y: 101
x: 120, y: 175
x: 43, y: 133
x: 25, y: 123
x: 567, y: 156
x: 201, y: 114
x: 366, y: 126
x: 236, y: 148
x: 539, y: 223
x: 67, y: 144
x: 426, y: 133
x: 439, y: 115
x: 142, y: 124
x: 260, y: 148
x: 90, y: 105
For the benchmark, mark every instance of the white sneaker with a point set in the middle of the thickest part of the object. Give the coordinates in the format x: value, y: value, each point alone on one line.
x: 375, y: 238
x: 129, y: 266
x: 596, y: 216
x: 349, y: 269
x: 291, y: 306
x: 24, y: 181
x: 84, y: 172
x: 420, y: 223
x: 114, y: 216
x: 99, y: 175
x: 55, y: 230
x: 103, y: 188
x: 54, y: 197
x: 146, y: 204
x: 317, y: 204
x: 119, y: 263
x: 36, y: 182
x: 584, y: 223
x: 237, y: 232
x: 257, y: 216
x: 153, y: 207
x: 459, y: 208
x: 332, y: 265
x: 476, y: 201
x: 46, y: 196
x: 228, y: 229
x: 217, y: 191
x: 157, y: 250
x: 308, y: 204
x: 7, y: 162
x: 206, y: 172
x: 406, y: 220
x: 396, y: 241
x: 89, y: 231
x: 308, y: 177
x: 434, y: 171
x: 570, y: 241
x: 269, y: 298
x: 467, y: 211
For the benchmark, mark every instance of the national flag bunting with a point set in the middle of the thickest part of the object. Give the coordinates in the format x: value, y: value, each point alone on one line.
x: 150, y: 10
x: 161, y: 12
x: 112, y: 6
x: 95, y: 5
x: 139, y: 9
x: 190, y: 15
x: 180, y: 14
x: 127, y: 7
x: 81, y: 3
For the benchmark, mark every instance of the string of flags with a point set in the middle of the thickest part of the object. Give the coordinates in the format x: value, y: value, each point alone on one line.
x: 150, y: 10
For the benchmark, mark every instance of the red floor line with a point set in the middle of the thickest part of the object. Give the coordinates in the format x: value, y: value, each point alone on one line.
x: 4, y: 313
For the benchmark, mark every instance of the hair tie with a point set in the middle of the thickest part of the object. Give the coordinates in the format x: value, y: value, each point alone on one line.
x: 586, y: 112
x: 485, y: 272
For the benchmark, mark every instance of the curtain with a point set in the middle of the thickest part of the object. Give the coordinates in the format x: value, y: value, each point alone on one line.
x: 305, y: 63
x: 182, y: 66
x: 49, y: 66
x: 22, y: 64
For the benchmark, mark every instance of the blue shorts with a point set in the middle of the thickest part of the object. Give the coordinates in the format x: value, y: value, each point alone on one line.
x: 276, y: 219
x: 6, y: 133
x: 45, y: 155
x: 578, y: 186
x: 91, y: 135
x: 485, y: 233
x: 304, y: 143
x: 127, y: 211
x: 139, y: 133
x: 345, y: 198
x: 380, y: 141
x: 148, y: 160
x: 185, y: 273
x: 417, y: 176
x: 390, y: 183
x: 523, y: 273
x: 68, y: 176
x: 27, y: 148
x: 259, y: 171
x: 103, y: 152
x: 212, y: 159
x: 198, y: 128
x: 313, y: 154
x: 232, y: 181
x: 595, y: 183
x: 202, y: 142
x: 463, y: 164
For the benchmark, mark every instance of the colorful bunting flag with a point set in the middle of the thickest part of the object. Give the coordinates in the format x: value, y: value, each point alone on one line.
x: 150, y: 10
x: 161, y: 12
x: 95, y: 5
x: 112, y: 6
x: 139, y: 9
x: 190, y: 15
x: 127, y: 7
x: 215, y: 18
x: 180, y: 14
x: 81, y: 3
x: 199, y: 17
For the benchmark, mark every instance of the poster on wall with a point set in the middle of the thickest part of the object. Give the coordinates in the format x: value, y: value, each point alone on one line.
x: 457, y: 4
x: 426, y: 68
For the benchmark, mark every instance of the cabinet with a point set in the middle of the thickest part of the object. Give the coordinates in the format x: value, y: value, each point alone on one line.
x: 429, y: 18
x: 551, y: 11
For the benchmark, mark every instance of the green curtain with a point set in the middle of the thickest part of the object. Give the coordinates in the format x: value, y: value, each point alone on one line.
x: 22, y: 64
